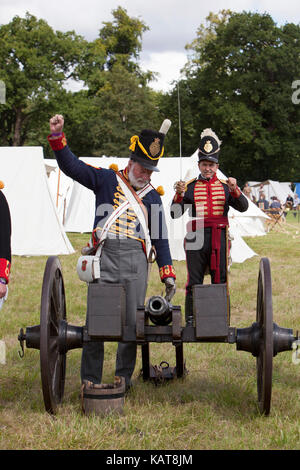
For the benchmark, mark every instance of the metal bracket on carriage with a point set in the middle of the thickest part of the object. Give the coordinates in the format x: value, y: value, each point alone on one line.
x: 163, y: 373
x: 21, y: 339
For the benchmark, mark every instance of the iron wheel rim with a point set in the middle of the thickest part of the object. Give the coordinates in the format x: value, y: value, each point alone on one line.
x: 53, y: 310
x: 264, y: 317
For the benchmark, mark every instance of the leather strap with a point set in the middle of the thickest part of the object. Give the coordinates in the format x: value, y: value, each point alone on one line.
x: 137, y: 198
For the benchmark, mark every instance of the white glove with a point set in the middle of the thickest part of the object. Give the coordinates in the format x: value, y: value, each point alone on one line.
x: 3, y: 299
x: 170, y: 288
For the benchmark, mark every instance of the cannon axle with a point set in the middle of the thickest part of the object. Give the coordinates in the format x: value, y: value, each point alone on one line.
x: 31, y: 337
x: 251, y: 339
x: 69, y: 337
x: 106, y: 315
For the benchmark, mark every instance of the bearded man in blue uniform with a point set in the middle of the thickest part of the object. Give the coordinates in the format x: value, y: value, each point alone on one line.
x: 127, y: 232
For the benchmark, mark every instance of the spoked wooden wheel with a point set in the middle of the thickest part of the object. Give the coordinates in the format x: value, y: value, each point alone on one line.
x: 264, y: 317
x: 53, y: 310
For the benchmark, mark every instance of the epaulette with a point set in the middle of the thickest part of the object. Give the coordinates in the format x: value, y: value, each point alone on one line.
x: 191, y: 181
x: 1, y: 185
x: 114, y: 167
x: 223, y: 181
x: 160, y: 190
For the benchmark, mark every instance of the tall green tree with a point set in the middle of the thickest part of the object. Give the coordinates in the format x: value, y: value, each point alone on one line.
x: 121, y: 101
x: 205, y: 33
x: 119, y: 43
x: 124, y: 107
x: 114, y: 103
x: 35, y: 63
x: 122, y: 37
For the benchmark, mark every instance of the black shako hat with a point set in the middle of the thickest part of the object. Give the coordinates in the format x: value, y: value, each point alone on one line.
x: 209, y: 147
x: 148, y: 147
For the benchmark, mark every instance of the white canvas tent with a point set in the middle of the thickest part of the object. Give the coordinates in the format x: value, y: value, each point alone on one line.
x: 240, y: 251
x: 60, y: 187
x: 50, y: 165
x: 36, y: 229
x: 187, y: 169
x: 81, y: 208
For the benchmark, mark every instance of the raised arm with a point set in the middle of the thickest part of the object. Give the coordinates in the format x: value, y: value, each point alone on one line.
x: 73, y: 167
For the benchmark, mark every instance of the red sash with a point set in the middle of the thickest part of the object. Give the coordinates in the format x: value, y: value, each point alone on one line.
x: 216, y: 224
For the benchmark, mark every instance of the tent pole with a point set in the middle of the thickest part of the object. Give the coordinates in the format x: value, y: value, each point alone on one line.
x: 57, y: 192
x: 179, y: 127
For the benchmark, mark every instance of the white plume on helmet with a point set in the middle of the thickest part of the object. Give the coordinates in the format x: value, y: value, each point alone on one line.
x: 165, y: 126
x: 210, y: 133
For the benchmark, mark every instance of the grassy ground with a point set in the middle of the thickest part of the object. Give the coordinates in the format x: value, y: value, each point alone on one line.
x: 214, y: 407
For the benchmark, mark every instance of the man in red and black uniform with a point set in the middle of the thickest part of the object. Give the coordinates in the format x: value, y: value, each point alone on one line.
x: 208, y: 199
x: 5, y: 248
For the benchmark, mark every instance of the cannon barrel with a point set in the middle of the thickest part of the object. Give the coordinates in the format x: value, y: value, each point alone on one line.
x: 159, y: 310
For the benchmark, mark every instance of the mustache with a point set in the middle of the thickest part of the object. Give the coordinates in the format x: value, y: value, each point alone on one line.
x: 138, y: 183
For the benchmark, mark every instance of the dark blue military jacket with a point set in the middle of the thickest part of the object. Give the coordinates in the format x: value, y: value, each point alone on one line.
x: 109, y: 195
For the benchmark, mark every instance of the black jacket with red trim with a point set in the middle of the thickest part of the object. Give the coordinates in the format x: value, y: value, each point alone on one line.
x: 5, y: 238
x: 213, y: 197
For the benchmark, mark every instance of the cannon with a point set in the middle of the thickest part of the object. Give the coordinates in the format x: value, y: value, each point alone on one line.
x: 106, y: 321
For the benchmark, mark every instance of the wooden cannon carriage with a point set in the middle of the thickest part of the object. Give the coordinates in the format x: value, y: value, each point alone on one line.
x: 157, y: 321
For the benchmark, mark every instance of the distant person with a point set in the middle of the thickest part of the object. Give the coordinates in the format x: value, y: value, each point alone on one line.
x: 5, y: 243
x: 261, y: 190
x: 296, y: 204
x: 289, y: 201
x: 262, y: 202
x: 275, y: 204
x: 247, y: 190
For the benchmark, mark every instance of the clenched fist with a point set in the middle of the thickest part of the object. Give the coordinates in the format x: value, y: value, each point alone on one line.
x: 179, y: 187
x: 3, y: 290
x: 56, y: 124
x: 231, y: 182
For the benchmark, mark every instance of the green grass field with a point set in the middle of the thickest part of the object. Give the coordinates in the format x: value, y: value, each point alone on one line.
x: 213, y: 407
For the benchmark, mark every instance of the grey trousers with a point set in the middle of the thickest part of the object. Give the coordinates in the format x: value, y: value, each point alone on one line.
x: 122, y: 261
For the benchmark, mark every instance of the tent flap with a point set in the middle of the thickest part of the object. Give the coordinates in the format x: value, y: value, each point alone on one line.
x: 36, y: 229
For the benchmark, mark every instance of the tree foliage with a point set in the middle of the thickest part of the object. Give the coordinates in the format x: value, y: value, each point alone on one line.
x: 124, y: 107
x: 36, y: 61
x: 239, y: 84
x: 238, y: 81
x: 122, y: 38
